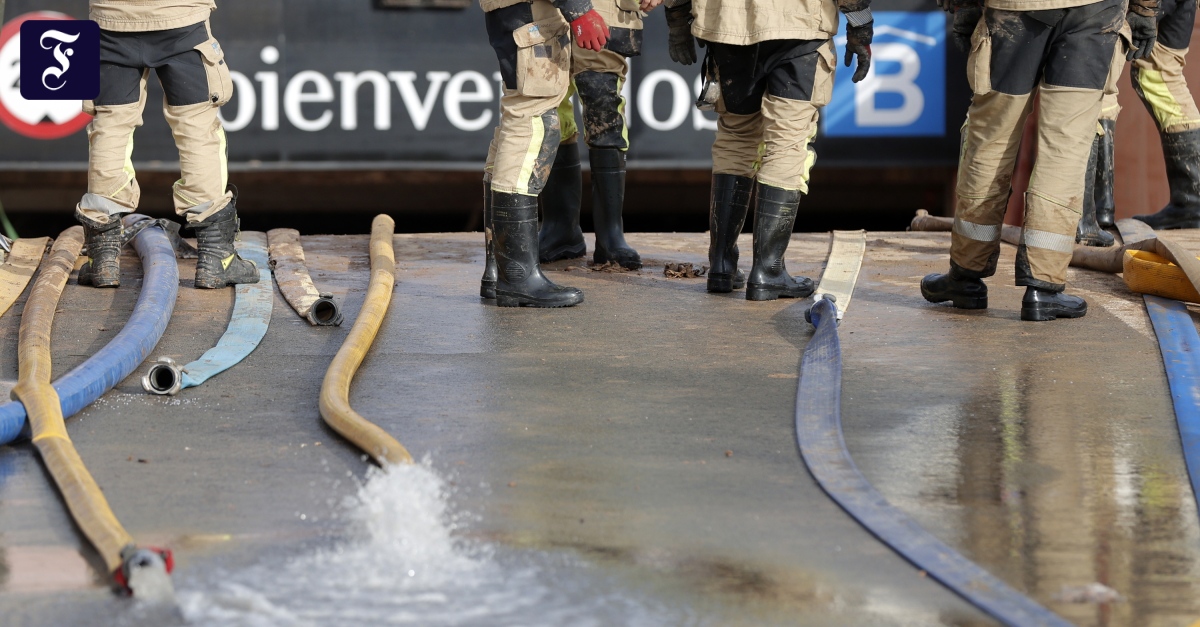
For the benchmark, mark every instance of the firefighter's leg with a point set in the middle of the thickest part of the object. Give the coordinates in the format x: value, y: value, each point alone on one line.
x: 112, y: 187
x: 487, y: 284
x: 560, y: 236
x: 1102, y: 185
x: 535, y: 64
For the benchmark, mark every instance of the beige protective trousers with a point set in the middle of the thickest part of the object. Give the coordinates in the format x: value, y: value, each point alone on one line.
x: 1159, y: 82
x: 1068, y: 81
x: 197, y: 82
x: 537, y: 75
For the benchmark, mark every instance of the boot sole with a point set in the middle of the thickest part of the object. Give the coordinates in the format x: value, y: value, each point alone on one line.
x: 721, y: 284
x: 1042, y: 313
x: 563, y: 252
x: 959, y: 302
x: 217, y: 285
x: 762, y: 292
x: 1095, y: 241
x: 520, y: 300
x: 487, y: 289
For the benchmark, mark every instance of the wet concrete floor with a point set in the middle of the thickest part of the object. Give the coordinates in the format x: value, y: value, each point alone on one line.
x: 648, y: 432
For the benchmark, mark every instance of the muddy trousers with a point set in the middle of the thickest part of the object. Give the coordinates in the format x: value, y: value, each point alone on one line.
x: 1063, y: 56
x: 190, y: 66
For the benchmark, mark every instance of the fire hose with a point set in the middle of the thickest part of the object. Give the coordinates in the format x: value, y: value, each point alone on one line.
x: 141, y: 571
x: 335, y: 389
x: 247, y: 326
x: 122, y: 355
x: 23, y: 259
x: 295, y: 283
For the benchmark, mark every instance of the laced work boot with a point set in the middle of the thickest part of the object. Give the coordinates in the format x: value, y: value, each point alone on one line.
x: 608, y: 200
x: 1088, y: 231
x: 1182, y: 152
x: 103, y: 267
x: 958, y: 287
x: 218, y: 264
x: 726, y: 215
x: 1040, y: 305
x: 1106, y: 204
x: 560, y: 236
x: 519, y: 279
x: 487, y: 284
x: 774, y: 216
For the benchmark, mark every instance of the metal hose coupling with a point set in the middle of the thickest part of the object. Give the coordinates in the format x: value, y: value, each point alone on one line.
x: 325, y: 312
x: 144, y: 573
x: 165, y: 377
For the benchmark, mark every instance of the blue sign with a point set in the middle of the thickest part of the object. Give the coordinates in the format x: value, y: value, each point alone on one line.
x: 60, y: 60
x: 904, y: 94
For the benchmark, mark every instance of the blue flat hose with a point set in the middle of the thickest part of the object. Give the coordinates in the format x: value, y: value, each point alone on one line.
x: 247, y: 326
x: 110, y: 365
x: 1180, y: 347
x: 819, y: 437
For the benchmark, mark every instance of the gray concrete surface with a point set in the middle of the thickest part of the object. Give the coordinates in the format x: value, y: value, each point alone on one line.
x: 646, y: 433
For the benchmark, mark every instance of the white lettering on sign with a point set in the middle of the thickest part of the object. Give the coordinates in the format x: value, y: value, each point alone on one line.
x: 903, y: 83
x: 383, y: 98
x: 456, y: 94
x: 294, y: 96
x: 680, y: 101
x: 419, y: 109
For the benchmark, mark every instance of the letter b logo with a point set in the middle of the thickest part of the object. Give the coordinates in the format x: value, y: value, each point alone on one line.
x: 60, y: 60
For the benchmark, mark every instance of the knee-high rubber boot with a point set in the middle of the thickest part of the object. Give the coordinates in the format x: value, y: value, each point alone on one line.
x: 218, y: 264
x: 103, y: 267
x: 1182, y: 151
x: 519, y: 279
x: 560, y: 236
x: 727, y: 210
x: 1088, y: 232
x: 487, y: 284
x: 774, y: 216
x: 608, y: 199
x: 1106, y: 203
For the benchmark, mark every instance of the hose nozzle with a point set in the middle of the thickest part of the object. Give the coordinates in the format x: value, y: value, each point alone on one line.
x: 144, y: 573
x: 164, y: 378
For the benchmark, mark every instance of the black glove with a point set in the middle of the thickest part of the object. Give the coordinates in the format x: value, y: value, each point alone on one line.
x: 680, y: 42
x: 965, y: 20
x: 858, y: 44
x: 1145, y: 33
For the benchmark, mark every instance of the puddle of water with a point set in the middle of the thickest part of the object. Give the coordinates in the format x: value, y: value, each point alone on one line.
x: 404, y: 562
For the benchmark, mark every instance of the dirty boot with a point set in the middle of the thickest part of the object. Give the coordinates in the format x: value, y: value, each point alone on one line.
x: 1106, y: 204
x: 1039, y: 305
x: 726, y: 215
x: 1182, y: 152
x: 487, y: 284
x: 519, y: 280
x: 956, y: 286
x: 560, y: 236
x: 218, y: 263
x: 774, y: 216
x: 103, y: 240
x: 608, y: 200
x: 1088, y: 232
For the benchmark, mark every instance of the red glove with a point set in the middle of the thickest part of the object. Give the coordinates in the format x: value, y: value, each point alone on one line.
x: 590, y: 31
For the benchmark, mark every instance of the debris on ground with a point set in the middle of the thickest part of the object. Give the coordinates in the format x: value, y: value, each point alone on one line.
x: 1091, y: 593
x: 608, y: 266
x: 684, y: 271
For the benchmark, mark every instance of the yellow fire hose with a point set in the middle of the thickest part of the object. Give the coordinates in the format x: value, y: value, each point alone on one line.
x: 335, y: 389
x: 16, y: 272
x: 84, y: 499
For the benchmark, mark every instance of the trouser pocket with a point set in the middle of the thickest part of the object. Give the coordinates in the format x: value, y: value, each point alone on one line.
x: 543, y: 58
x: 979, y: 62
x: 823, y: 80
x: 220, y: 83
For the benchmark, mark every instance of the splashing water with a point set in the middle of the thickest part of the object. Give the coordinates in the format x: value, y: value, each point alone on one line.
x: 403, y: 564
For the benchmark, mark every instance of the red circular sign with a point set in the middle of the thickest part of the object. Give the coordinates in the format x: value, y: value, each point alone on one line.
x: 39, y: 119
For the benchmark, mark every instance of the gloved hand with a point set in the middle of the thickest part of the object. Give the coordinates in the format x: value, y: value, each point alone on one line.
x: 1145, y: 33
x: 965, y: 20
x: 589, y: 31
x: 858, y: 43
x: 680, y: 42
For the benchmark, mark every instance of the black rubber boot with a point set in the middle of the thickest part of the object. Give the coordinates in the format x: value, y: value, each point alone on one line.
x: 1088, y: 232
x: 218, y: 264
x: 519, y: 280
x: 608, y: 199
x: 1106, y: 203
x: 560, y: 236
x: 1039, y: 305
x: 956, y: 286
x: 1182, y: 152
x: 487, y: 284
x: 729, y: 203
x: 774, y: 216
x: 103, y: 267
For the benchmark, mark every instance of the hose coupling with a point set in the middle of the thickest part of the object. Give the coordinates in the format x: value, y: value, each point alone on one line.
x: 165, y: 377
x: 144, y: 573
x: 325, y: 312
